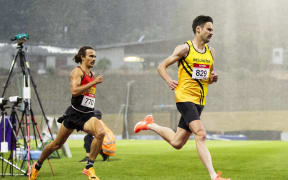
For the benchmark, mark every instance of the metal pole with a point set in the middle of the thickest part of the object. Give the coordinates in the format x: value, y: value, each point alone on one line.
x: 126, y: 109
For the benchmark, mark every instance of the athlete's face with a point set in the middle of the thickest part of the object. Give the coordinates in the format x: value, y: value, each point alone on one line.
x: 90, y: 58
x: 206, y: 32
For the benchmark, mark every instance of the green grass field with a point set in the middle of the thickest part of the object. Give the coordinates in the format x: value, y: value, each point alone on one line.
x: 156, y: 160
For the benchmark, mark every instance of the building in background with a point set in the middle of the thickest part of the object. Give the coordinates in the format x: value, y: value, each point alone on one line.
x: 125, y: 56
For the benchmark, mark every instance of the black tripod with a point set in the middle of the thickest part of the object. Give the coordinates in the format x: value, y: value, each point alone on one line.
x: 12, y: 123
x: 27, y: 112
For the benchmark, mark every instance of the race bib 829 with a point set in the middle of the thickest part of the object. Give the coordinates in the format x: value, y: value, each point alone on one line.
x: 200, y: 71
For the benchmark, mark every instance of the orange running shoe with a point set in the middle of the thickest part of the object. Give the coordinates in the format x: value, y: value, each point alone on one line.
x: 219, y: 176
x: 90, y: 173
x: 143, y: 125
x: 34, y: 172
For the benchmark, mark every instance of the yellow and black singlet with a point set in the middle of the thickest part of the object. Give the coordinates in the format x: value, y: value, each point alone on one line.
x: 193, y: 75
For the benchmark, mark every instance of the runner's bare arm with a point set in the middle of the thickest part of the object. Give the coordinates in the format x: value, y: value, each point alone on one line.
x: 213, y: 76
x: 75, y: 82
x: 179, y: 52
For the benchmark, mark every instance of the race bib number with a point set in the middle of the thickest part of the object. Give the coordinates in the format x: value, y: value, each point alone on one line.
x: 88, y: 102
x: 200, y: 71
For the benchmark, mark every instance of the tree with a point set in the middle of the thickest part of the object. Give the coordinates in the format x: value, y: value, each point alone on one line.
x: 103, y: 64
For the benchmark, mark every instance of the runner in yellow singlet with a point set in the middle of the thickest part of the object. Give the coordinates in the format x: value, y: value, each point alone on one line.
x: 195, y: 72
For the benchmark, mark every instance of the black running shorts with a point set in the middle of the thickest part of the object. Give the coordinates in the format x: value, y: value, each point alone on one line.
x: 189, y: 112
x: 75, y: 120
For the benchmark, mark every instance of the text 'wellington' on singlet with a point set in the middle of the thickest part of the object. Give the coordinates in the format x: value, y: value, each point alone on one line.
x: 86, y: 101
x: 193, y: 75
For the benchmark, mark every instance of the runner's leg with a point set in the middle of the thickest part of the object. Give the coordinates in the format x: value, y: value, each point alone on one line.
x: 95, y: 128
x: 176, y: 140
x: 61, y: 138
x: 199, y: 132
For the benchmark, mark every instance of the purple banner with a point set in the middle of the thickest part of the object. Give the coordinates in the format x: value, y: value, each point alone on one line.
x: 9, y: 136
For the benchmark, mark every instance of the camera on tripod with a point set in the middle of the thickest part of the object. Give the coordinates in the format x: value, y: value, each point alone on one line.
x: 15, y: 100
x: 3, y: 101
x: 19, y: 37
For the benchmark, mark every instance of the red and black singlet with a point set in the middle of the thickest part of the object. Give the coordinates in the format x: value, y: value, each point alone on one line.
x: 86, y: 101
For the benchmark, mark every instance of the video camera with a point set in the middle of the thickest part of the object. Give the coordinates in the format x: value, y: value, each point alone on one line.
x: 3, y: 101
x: 15, y: 99
x: 20, y: 37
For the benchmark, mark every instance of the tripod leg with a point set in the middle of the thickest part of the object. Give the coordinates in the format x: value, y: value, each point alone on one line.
x: 13, y: 143
x: 10, y: 72
x: 11, y: 122
x: 20, y: 126
x: 41, y: 140
x: 34, y: 131
x: 2, y: 161
x: 28, y: 139
x: 13, y: 134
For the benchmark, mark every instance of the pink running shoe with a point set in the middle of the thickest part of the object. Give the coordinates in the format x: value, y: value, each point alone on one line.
x: 219, y: 176
x: 143, y: 125
x: 90, y: 173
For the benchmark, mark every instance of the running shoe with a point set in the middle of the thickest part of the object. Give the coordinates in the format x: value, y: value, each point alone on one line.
x: 34, y: 172
x: 143, y: 125
x: 219, y: 177
x: 90, y: 173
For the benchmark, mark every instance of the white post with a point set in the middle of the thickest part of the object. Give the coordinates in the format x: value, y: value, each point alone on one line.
x: 126, y: 109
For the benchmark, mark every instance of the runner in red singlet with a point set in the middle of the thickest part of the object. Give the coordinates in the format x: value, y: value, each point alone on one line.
x: 80, y: 115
